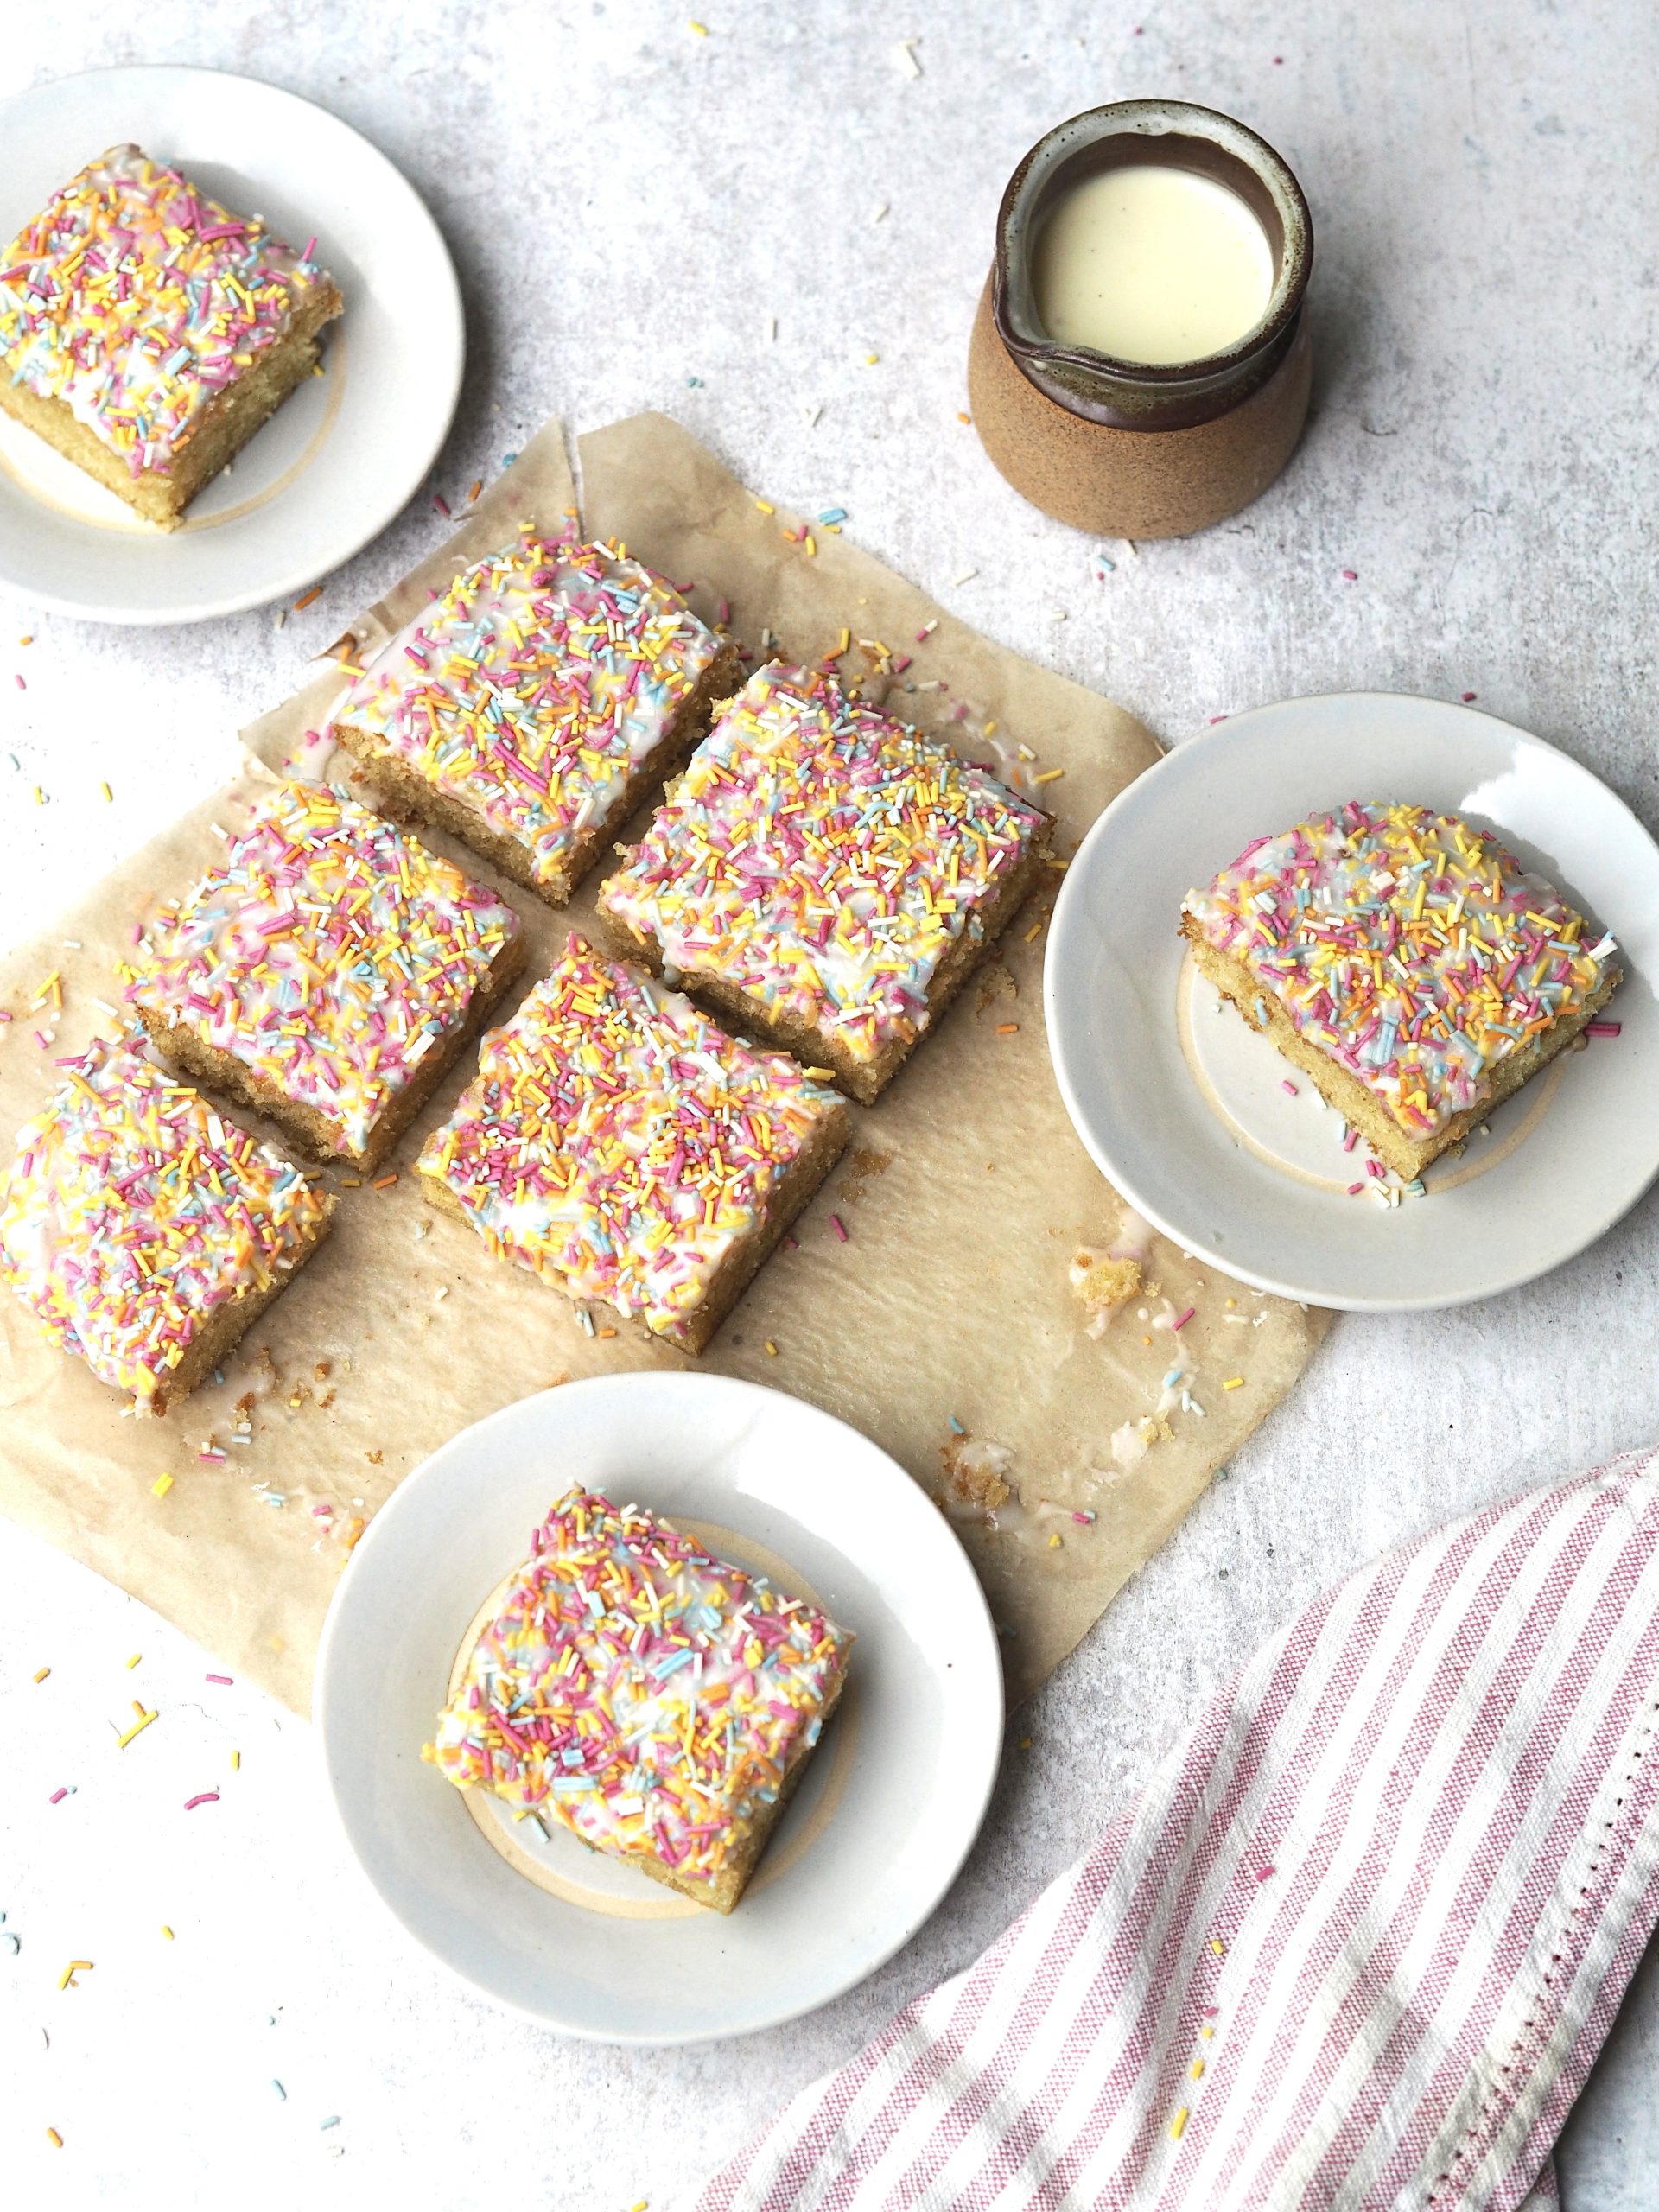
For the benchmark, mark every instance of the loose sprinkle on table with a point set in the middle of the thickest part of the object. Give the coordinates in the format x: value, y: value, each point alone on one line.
x: 202, y: 1798
x: 160, y: 1486
x: 1234, y: 1382
x: 307, y: 599
x: 41, y: 1673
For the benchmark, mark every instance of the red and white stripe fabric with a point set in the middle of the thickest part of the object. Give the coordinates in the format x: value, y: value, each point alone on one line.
x: 1356, y: 1947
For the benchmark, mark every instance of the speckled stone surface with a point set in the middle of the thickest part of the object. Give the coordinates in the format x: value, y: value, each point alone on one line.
x: 630, y: 204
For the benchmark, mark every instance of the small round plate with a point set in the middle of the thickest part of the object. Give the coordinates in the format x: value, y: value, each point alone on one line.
x: 341, y: 454
x: 1186, y: 1108
x: 888, y: 1807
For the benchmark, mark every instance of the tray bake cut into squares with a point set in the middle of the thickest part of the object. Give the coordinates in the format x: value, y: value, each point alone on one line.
x: 147, y: 333
x: 533, y: 705
x: 825, y: 876
x: 619, y: 1144
x: 327, y: 973
x: 1407, y: 962
x: 658, y: 1701
x: 144, y: 1231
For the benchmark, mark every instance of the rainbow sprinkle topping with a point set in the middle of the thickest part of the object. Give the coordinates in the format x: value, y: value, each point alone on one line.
x: 535, y: 692
x: 132, y: 1209
x: 328, y: 955
x: 646, y: 1694
x: 823, y: 858
x: 619, y: 1142
x: 135, y: 300
x: 1409, y: 946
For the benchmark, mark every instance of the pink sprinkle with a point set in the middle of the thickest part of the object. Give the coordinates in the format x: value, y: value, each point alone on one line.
x: 1602, y: 1028
x: 1466, y: 696
x: 1287, y: 1085
x: 1214, y: 719
x: 836, y: 1224
x: 57, y: 1796
x: 1350, y: 575
x: 323, y: 1512
x: 1354, y: 1190
x: 19, y: 681
x: 220, y: 1678
x: 902, y: 663
x: 1185, y: 1319
x: 1265, y: 1873
x: 1211, y: 2011
x: 724, y: 613
x: 440, y: 503
x: 203, y: 1797
x: 1375, y: 1168
x: 1350, y: 1140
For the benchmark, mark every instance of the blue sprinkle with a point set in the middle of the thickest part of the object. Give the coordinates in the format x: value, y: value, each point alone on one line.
x: 832, y: 514
x: 332, y: 2121
x: 956, y: 1426
x: 694, y: 383
x: 507, y: 459
x: 280, y: 2090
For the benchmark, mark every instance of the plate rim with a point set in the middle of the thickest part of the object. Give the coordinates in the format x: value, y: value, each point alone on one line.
x: 1233, y: 730
x: 948, y: 1869
x: 372, y: 516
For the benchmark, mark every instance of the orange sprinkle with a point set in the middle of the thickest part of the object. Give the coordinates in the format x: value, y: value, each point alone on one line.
x: 306, y: 598
x: 385, y: 1182
x: 1007, y: 1028
x: 54, y: 2138
x: 42, y: 1673
x: 960, y: 417
x: 476, y: 489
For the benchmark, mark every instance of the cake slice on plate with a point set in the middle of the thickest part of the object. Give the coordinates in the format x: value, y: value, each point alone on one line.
x: 659, y: 1702
x: 147, y: 333
x: 1407, y: 962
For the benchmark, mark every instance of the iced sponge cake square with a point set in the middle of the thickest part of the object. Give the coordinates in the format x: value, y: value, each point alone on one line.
x: 656, y: 1701
x: 1405, y: 961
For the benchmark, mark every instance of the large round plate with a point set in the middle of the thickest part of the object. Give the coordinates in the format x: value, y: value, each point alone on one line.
x: 888, y: 1807
x: 1185, y: 1109
x: 342, y: 454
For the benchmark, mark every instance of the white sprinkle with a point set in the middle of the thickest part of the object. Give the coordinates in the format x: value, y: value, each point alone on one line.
x: 772, y: 328
x: 279, y: 618
x: 881, y: 214
x: 966, y: 577
x: 441, y: 1293
x: 812, y: 415
x: 906, y: 57
x: 1058, y: 615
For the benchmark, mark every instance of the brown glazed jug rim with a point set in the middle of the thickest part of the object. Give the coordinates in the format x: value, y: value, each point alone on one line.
x: 1158, y: 395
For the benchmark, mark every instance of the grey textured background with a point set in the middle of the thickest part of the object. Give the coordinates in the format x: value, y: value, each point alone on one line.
x: 629, y: 204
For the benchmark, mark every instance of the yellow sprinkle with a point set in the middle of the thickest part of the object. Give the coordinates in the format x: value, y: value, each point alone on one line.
x: 702, y: 29
x: 42, y: 1673
x: 136, y: 1729
x: 1218, y: 1946
x: 1206, y: 2031
x: 108, y: 793
x: 166, y: 1931
x: 1036, y: 929
x: 1234, y: 1382
x: 1178, y: 2125
x: 350, y: 667
x: 236, y: 1762
x: 766, y: 506
x: 771, y: 1348
x: 810, y: 546
x: 870, y: 361
x: 1195, y: 2069
x: 160, y: 1486
x: 40, y: 795
x: 136, y: 1658
x: 1049, y: 776
x: 54, y: 2138
x: 1054, y: 1542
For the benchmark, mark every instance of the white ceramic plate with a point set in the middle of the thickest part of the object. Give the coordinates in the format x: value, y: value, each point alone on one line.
x: 1183, y: 1107
x: 888, y: 1807
x: 342, y: 455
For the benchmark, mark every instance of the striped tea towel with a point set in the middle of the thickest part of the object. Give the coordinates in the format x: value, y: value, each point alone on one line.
x: 1356, y: 1947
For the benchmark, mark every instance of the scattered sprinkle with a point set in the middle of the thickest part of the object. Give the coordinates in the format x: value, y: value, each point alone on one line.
x: 1185, y: 1318
x: 227, y: 1679
x: 906, y: 52
x: 1234, y: 1382
x: 54, y: 2138
x: 839, y: 1226
x: 201, y: 1797
x: 160, y: 1486
x: 168, y: 1932
x: 1178, y: 2125
x: 308, y: 598
x: 136, y: 1729
x: 107, y: 794
x: 57, y: 1796
x: 771, y: 1348
x: 41, y: 1673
